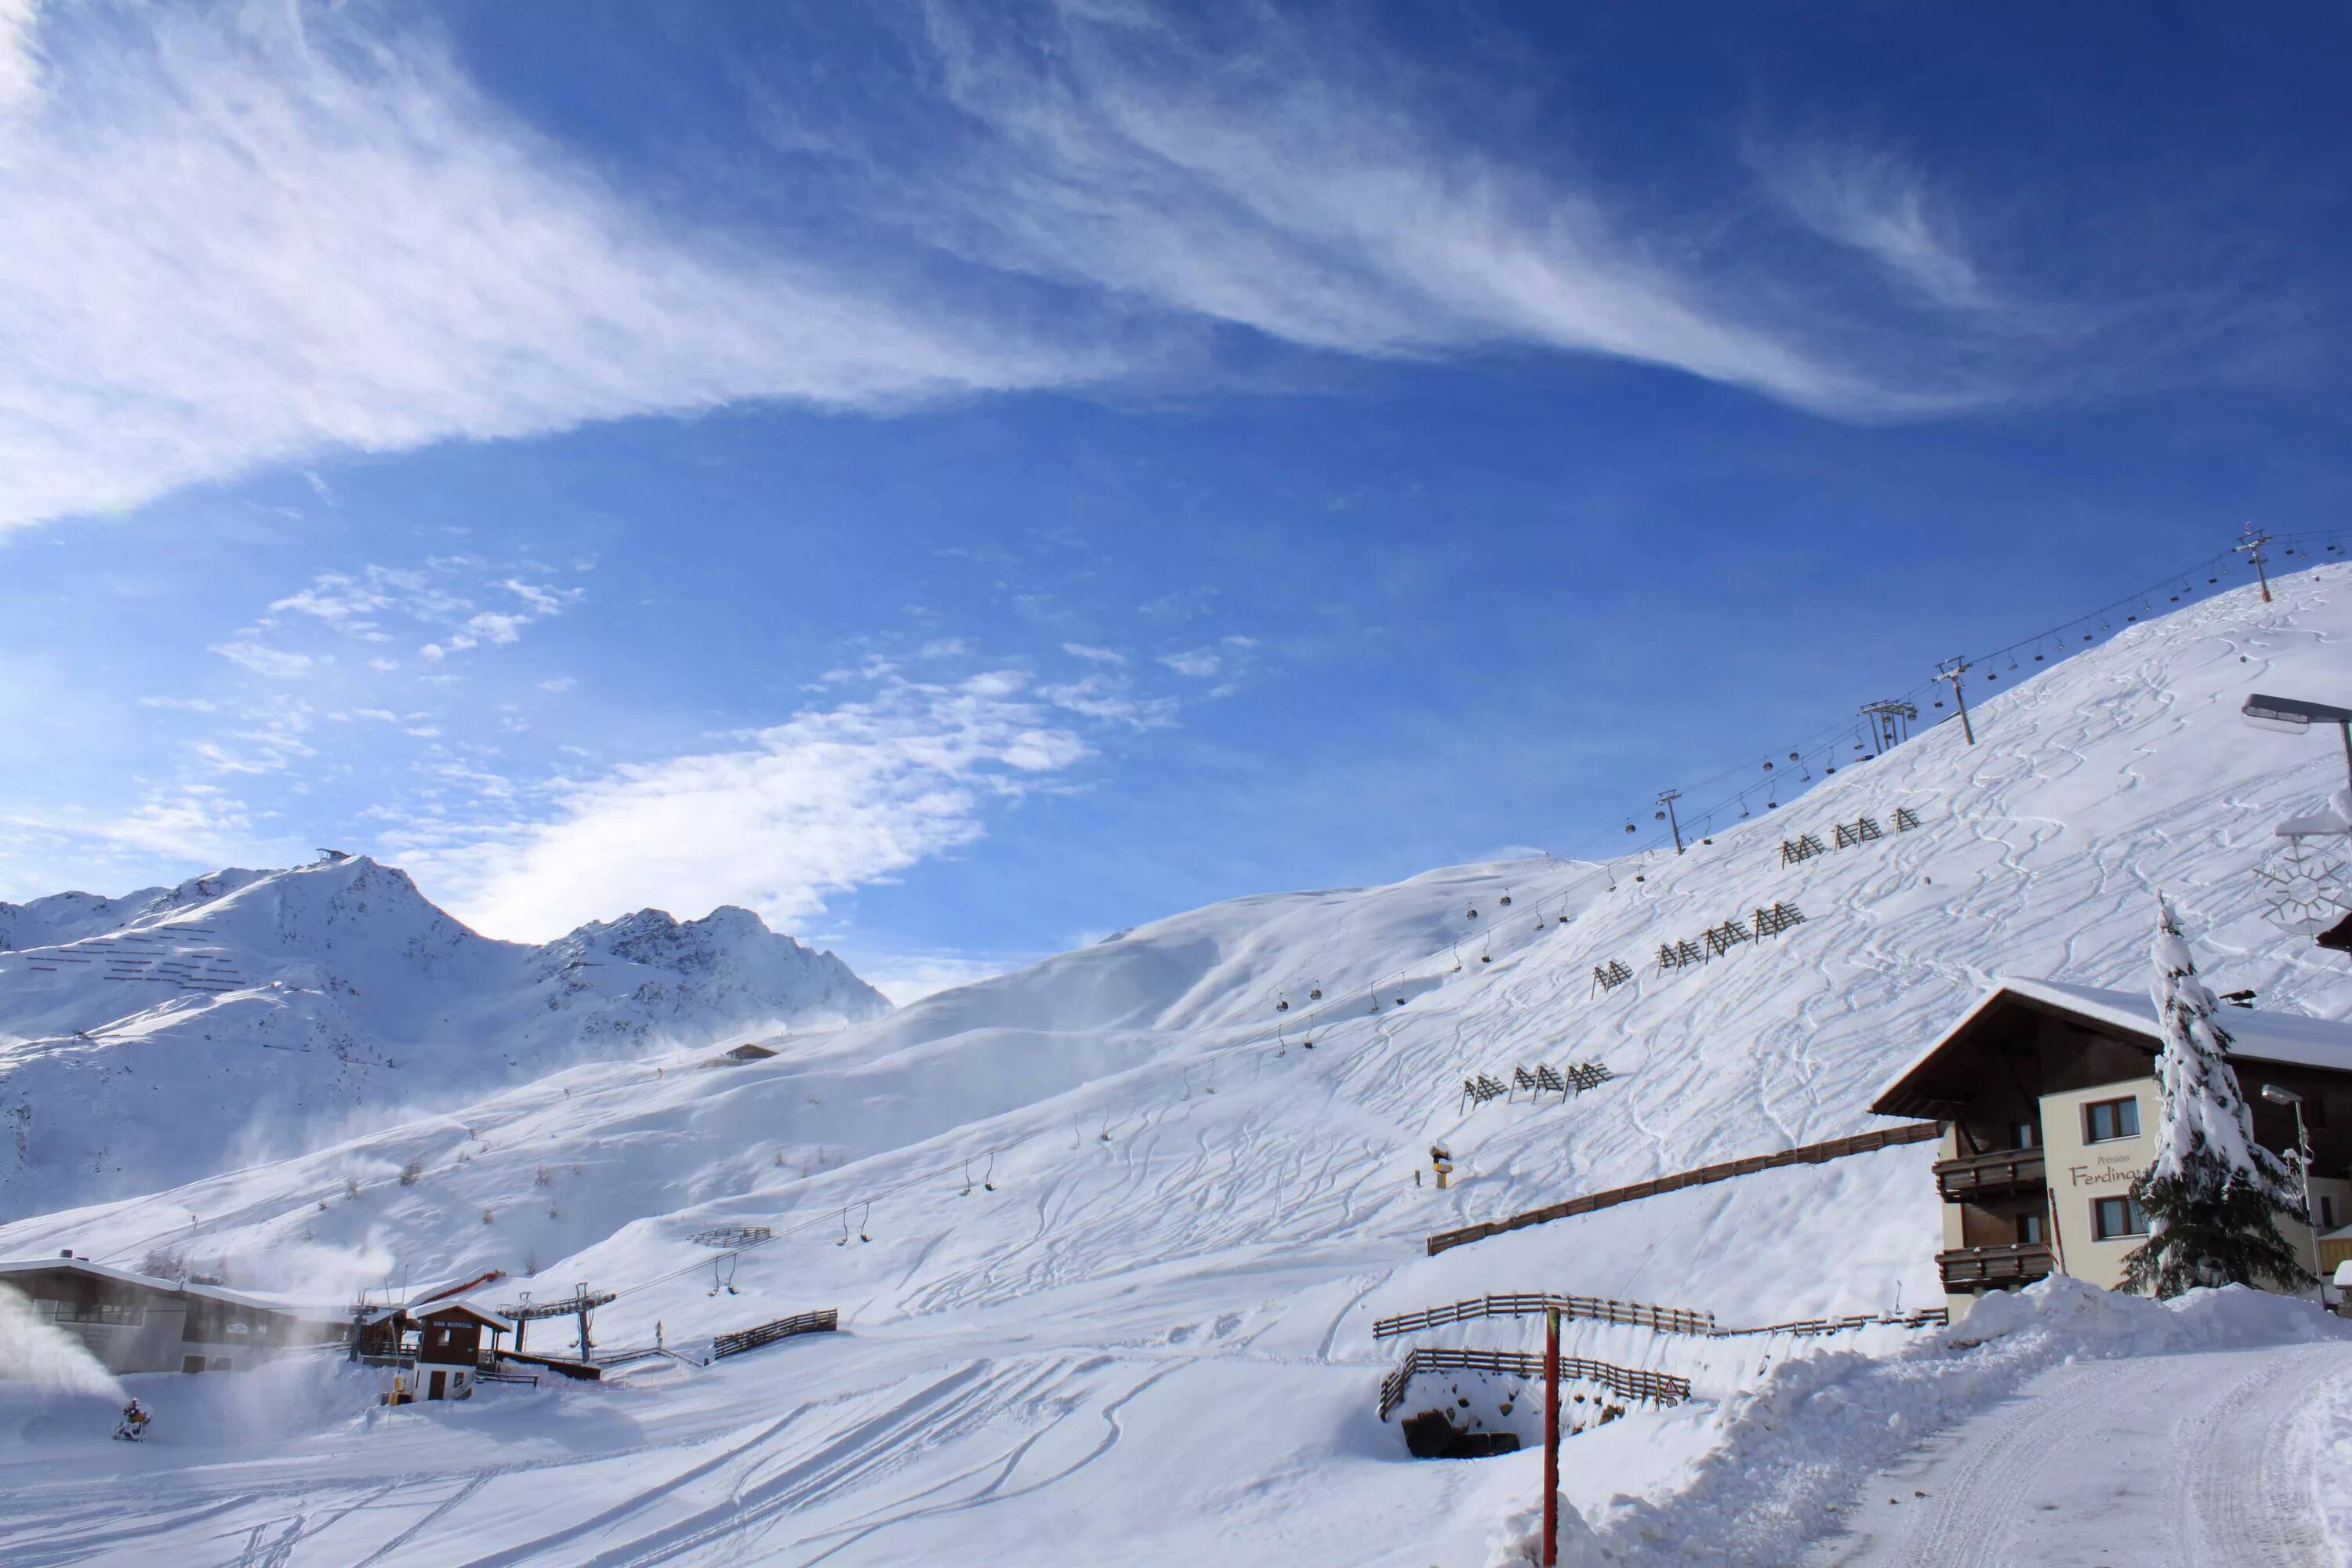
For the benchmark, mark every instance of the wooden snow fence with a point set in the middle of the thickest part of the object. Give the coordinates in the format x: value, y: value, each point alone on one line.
x: 1572, y: 1309
x: 822, y: 1322
x: 1803, y: 1154
x: 1625, y: 1381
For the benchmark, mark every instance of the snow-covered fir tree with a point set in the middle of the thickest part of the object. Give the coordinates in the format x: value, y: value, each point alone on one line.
x: 2213, y: 1195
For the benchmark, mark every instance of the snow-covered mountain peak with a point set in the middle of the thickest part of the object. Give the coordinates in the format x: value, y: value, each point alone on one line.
x: 142, y: 1037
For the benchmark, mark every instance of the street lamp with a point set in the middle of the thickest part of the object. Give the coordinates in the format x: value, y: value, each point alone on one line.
x: 2288, y: 1097
x: 2295, y: 715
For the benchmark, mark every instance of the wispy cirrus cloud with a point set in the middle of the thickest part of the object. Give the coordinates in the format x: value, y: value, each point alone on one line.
x: 829, y: 800
x: 445, y: 596
x: 243, y: 234
x: 275, y: 663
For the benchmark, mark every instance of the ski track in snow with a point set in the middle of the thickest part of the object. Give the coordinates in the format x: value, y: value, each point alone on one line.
x: 1147, y: 1348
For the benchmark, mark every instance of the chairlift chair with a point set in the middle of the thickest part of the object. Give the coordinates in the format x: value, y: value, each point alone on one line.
x: 861, y: 1223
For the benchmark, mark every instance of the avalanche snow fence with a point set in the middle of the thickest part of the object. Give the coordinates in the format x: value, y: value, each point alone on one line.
x: 822, y: 1322
x: 1803, y: 1154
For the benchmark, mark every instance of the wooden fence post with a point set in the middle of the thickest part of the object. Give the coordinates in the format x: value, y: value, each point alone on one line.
x: 1550, y: 1554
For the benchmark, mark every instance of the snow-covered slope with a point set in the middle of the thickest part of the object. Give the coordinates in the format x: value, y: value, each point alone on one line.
x: 152, y: 1038
x: 1153, y: 1337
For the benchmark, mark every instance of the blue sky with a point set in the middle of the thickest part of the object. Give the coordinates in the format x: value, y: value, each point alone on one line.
x: 960, y: 479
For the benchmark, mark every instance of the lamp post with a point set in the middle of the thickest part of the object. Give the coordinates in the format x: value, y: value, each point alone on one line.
x: 2294, y: 715
x: 2288, y: 1097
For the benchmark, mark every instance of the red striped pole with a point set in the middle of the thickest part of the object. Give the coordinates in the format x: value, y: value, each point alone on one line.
x: 1550, y: 1555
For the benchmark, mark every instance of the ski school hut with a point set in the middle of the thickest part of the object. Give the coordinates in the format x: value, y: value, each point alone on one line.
x: 2049, y: 1097
x: 138, y: 1322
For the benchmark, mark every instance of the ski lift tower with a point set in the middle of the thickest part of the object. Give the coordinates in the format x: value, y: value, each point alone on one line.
x: 1667, y: 799
x: 1951, y: 669
x: 2250, y: 544
x: 579, y: 1304
x: 1890, y: 723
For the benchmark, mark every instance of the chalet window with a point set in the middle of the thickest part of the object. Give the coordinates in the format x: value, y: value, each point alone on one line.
x: 95, y: 1312
x: 2105, y: 1119
x: 2029, y: 1229
x: 2113, y: 1217
x: 2023, y: 1135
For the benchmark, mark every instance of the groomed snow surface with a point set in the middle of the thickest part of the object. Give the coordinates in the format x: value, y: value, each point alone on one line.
x: 1151, y: 1343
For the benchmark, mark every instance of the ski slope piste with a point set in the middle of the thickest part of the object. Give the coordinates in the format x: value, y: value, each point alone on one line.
x: 1130, y: 1230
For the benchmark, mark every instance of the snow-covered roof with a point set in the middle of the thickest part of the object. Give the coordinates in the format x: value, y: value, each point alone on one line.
x: 2257, y: 1035
x: 2287, y: 1038
x: 479, y: 1313
x: 84, y: 1265
x: 168, y: 1287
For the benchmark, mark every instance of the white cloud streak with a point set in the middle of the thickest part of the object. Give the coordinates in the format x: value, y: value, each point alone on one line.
x: 1877, y: 202
x: 20, y: 69
x: 241, y: 235
x: 232, y: 242
x: 826, y: 802
x: 1265, y: 183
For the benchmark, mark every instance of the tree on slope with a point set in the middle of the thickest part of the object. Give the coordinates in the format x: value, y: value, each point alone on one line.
x: 2213, y: 1195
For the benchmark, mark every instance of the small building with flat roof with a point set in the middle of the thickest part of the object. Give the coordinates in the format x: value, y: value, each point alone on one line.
x: 2049, y: 1097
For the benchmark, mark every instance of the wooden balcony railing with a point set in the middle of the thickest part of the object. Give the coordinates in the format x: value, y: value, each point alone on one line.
x: 1989, y: 1267
x: 2002, y: 1170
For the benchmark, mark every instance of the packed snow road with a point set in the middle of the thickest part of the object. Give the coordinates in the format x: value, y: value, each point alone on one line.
x: 2198, y: 1459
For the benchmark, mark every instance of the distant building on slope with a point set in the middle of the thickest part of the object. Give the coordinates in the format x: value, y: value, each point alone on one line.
x: 136, y: 1323
x: 2050, y: 1097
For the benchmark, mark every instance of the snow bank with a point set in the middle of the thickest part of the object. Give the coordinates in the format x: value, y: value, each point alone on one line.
x: 1771, y: 1466
x: 2331, y: 1438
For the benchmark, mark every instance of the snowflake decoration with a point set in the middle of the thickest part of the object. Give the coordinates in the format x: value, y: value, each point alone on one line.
x: 2308, y: 885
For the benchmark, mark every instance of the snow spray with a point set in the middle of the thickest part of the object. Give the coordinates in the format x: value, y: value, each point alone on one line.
x: 34, y: 1350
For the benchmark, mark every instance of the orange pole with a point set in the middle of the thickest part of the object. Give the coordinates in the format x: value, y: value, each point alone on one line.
x: 1550, y: 1552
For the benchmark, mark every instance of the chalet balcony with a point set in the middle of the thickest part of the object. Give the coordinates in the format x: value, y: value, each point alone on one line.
x: 1992, y: 1268
x: 1983, y: 1175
